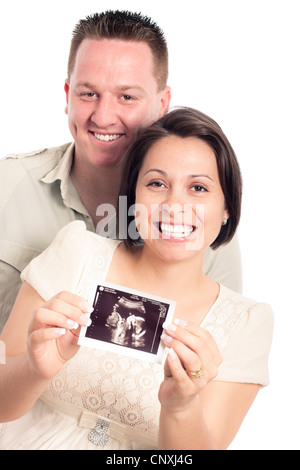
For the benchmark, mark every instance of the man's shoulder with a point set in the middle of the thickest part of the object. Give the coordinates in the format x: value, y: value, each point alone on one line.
x: 33, y: 159
x: 18, y: 172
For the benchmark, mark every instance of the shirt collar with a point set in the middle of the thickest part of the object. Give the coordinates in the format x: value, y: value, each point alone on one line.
x: 61, y: 172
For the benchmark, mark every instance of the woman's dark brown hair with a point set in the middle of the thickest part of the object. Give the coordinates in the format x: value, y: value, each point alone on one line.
x: 188, y: 122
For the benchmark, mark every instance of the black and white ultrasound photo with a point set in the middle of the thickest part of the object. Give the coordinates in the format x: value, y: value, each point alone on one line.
x: 127, y: 322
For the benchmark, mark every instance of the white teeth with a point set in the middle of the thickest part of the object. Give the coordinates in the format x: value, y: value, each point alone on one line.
x: 106, y: 137
x: 176, y: 231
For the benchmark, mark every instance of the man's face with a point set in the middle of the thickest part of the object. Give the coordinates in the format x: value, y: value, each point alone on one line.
x: 111, y: 94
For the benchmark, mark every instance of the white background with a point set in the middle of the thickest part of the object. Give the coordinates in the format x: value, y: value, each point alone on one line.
x: 237, y: 61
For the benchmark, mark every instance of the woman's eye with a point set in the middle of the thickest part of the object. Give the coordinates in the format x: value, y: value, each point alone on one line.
x: 156, y: 184
x: 199, y: 188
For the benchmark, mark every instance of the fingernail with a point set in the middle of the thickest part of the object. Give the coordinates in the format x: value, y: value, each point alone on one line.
x: 172, y: 354
x: 59, y: 331
x: 86, y: 307
x: 72, y: 324
x: 169, y: 326
x: 166, y: 338
x: 85, y: 320
x: 179, y: 322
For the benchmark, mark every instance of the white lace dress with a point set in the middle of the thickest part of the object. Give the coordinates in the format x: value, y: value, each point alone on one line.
x: 102, y: 400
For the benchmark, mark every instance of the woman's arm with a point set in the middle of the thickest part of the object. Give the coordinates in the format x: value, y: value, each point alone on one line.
x: 199, y: 413
x: 39, y: 338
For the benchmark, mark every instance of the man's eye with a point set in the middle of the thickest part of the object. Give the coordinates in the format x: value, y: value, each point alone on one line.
x: 127, y: 98
x: 89, y: 94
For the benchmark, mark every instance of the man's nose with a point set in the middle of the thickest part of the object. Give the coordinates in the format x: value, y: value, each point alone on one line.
x: 105, y: 112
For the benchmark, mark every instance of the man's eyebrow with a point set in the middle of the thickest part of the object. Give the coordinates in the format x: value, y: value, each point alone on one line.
x: 85, y: 85
x: 133, y: 88
x: 123, y: 88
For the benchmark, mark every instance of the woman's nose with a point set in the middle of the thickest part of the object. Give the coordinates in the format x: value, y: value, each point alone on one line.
x: 175, y: 197
x: 177, y: 208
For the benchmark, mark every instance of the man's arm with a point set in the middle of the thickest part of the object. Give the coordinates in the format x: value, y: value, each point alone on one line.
x: 14, y: 257
x: 10, y: 284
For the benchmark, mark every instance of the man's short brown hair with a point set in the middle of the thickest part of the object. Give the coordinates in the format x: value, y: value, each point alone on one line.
x: 126, y: 26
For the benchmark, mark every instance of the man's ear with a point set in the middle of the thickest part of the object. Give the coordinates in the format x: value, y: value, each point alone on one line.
x: 67, y: 90
x: 165, y: 101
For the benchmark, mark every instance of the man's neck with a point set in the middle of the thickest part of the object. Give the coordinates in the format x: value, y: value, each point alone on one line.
x: 96, y: 186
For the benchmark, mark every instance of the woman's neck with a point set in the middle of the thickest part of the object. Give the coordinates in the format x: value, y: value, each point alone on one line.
x: 170, y: 279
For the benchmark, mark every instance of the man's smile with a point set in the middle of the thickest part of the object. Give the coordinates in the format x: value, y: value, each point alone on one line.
x: 106, y: 137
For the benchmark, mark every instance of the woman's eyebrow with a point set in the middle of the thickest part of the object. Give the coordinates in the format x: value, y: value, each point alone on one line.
x: 200, y: 175
x: 157, y: 170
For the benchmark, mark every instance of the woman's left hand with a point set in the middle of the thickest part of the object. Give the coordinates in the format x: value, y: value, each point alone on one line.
x: 193, y: 361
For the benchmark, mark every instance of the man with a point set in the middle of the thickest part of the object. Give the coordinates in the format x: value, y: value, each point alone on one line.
x: 117, y: 84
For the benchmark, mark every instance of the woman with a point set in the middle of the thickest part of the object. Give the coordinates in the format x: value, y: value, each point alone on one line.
x: 183, y: 177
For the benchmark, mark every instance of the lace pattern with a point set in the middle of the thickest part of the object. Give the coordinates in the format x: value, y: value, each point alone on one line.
x: 225, y: 314
x: 115, y: 387
x: 123, y: 389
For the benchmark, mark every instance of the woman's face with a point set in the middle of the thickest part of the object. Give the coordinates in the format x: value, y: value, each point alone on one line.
x: 180, y: 205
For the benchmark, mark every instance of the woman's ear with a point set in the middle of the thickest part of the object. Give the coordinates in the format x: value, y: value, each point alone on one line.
x: 226, y: 217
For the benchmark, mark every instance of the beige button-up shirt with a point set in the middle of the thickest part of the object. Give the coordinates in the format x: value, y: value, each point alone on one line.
x: 37, y: 199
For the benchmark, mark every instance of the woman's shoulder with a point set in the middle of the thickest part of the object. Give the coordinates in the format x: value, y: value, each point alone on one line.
x: 77, y: 230
x: 240, y: 301
x: 257, y: 314
x: 245, y: 339
x: 233, y: 310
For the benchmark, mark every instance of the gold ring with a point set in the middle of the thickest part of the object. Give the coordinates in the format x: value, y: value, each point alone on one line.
x: 197, y: 374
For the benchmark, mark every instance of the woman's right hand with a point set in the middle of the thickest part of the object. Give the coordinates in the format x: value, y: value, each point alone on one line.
x: 53, y: 333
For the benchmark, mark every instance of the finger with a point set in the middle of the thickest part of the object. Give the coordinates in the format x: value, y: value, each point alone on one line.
x: 186, y: 354
x: 177, y: 371
x: 200, y: 332
x: 196, y: 338
x: 45, y: 334
x: 45, y: 318
x: 192, y: 362
x: 73, y: 299
x: 193, y: 356
x: 76, y: 310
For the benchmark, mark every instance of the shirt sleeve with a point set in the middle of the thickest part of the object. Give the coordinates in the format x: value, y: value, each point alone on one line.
x: 245, y: 357
x: 224, y: 265
x: 59, y: 267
